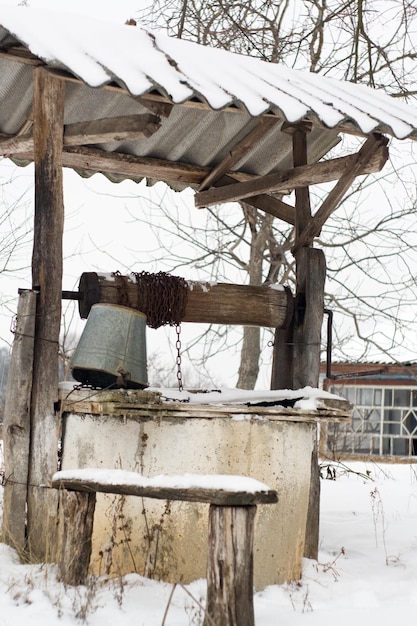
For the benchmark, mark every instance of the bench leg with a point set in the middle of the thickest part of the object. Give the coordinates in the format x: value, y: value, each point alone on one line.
x: 75, y: 530
x: 230, y: 566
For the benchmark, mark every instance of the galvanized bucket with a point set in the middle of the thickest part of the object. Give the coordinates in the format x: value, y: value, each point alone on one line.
x: 112, y: 349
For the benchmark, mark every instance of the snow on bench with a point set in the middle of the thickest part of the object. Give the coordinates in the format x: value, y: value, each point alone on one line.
x: 213, y: 489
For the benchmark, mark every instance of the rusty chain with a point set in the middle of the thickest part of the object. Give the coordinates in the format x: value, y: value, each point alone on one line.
x: 163, y: 298
x: 179, y: 357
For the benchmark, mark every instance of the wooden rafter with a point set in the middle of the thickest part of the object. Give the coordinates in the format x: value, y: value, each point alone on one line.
x: 94, y: 160
x: 273, y: 206
x: 130, y: 166
x: 123, y: 128
x: 287, y: 180
x: 238, y: 151
x: 373, y: 145
x: 115, y: 163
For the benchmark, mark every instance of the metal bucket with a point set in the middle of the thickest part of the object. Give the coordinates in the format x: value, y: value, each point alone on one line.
x: 111, y: 351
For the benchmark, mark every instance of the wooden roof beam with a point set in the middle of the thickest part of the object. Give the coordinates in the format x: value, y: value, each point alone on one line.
x: 94, y: 160
x: 238, y: 151
x: 273, y: 206
x: 131, y: 166
x: 373, y: 145
x: 124, y: 128
x: 301, y: 176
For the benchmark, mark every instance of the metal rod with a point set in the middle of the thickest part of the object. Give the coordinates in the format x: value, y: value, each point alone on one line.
x: 66, y: 295
x: 329, y: 314
x: 72, y: 295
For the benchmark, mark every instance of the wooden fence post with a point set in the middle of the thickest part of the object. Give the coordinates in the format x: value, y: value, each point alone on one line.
x: 16, y: 426
x: 230, y: 566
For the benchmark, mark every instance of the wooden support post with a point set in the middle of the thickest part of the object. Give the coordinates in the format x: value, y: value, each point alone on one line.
x: 311, y: 274
x: 308, y: 318
x: 311, y: 538
x: 48, y: 108
x: 16, y: 424
x: 284, y: 371
x: 75, y: 531
x: 230, y: 566
x: 306, y: 331
x: 283, y: 358
x: 302, y: 194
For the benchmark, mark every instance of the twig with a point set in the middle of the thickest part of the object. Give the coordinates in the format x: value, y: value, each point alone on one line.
x: 168, y: 604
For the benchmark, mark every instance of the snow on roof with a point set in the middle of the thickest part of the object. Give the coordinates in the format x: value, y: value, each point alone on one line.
x: 142, y: 61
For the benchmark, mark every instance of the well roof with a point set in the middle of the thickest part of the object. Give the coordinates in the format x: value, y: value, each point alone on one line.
x: 207, y: 99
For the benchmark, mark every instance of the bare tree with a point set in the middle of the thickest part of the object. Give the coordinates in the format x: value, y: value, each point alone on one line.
x: 370, y: 253
x: 15, y: 238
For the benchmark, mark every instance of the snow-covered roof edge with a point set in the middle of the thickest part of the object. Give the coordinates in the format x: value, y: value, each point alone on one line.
x: 142, y: 61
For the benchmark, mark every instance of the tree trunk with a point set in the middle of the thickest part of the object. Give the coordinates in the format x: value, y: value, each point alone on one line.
x: 249, y: 360
x: 260, y: 229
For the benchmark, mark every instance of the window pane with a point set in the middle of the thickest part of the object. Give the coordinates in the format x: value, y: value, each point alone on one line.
x: 392, y: 428
x: 349, y: 393
x: 402, y: 397
x: 364, y: 396
x: 393, y: 415
x: 374, y: 415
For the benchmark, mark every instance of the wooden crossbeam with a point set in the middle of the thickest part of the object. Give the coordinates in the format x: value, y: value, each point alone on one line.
x: 124, y: 128
x: 131, y: 166
x: 273, y: 206
x: 287, y: 180
x: 373, y: 145
x: 128, y: 165
x: 239, y: 150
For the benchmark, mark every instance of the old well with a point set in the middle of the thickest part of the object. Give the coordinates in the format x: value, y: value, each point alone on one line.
x: 163, y: 432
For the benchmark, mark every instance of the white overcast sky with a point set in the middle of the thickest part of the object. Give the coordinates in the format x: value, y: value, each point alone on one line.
x: 104, y: 9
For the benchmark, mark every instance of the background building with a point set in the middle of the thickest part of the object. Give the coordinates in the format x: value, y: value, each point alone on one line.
x: 384, y: 422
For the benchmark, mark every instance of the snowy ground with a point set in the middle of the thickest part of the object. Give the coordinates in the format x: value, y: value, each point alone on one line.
x: 366, y: 572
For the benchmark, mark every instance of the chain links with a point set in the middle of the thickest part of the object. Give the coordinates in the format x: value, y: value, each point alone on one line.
x: 179, y: 357
x: 162, y: 298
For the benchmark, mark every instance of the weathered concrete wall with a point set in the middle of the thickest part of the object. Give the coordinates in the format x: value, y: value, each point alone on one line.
x: 170, y: 542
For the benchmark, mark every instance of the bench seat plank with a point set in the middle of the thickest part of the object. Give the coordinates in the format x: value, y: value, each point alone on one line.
x: 222, y: 490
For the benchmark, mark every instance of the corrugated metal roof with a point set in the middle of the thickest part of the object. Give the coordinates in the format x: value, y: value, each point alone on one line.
x: 133, y: 62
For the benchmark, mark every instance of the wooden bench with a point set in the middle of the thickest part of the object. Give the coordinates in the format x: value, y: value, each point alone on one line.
x: 232, y: 499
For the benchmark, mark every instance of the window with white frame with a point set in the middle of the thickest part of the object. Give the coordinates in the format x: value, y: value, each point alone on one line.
x: 384, y: 421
